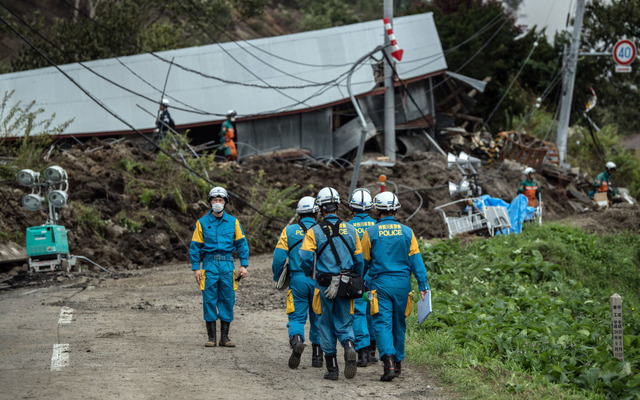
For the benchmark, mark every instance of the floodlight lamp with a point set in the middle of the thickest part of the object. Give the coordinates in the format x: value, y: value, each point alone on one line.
x: 462, y: 189
x: 27, y: 177
x: 32, y: 202
x: 451, y: 160
x: 58, y: 198
x: 55, y: 174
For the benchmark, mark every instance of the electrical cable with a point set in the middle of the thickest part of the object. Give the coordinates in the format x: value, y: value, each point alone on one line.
x: 207, y: 76
x: 119, y: 118
x: 193, y: 109
x: 504, y: 95
x: 224, y: 32
x: 242, y: 65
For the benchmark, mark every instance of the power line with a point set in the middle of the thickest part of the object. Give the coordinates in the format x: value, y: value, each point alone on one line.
x: 241, y: 64
x: 207, y: 76
x: 535, y: 44
x: 119, y: 118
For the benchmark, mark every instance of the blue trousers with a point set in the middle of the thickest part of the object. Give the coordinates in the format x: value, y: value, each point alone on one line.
x: 302, y: 292
x: 218, y: 296
x: 335, y: 322
x: 360, y: 328
x: 389, y: 323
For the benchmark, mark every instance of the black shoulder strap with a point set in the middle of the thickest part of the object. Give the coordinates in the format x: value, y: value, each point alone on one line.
x: 304, y: 229
x: 331, y: 233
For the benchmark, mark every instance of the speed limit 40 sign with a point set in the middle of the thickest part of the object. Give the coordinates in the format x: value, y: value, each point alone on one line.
x: 624, y: 52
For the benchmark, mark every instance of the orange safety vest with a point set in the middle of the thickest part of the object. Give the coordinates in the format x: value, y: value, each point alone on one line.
x: 604, y: 186
x: 530, y: 192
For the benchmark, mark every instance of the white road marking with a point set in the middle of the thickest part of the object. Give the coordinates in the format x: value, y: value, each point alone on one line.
x: 66, y: 315
x: 60, y: 356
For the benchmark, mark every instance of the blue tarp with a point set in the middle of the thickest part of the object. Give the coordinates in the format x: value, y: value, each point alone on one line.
x: 517, y: 210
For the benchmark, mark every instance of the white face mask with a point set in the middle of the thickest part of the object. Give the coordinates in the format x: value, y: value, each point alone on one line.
x: 217, y: 207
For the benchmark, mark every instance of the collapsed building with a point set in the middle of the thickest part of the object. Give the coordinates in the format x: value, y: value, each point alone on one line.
x: 290, y: 91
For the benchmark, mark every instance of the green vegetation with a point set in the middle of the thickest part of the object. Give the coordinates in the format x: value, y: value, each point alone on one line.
x: 25, y: 121
x: 591, y: 150
x: 528, y: 314
x: 123, y: 220
x: 130, y: 166
x: 89, y: 218
x: 146, y: 196
x: 275, y: 203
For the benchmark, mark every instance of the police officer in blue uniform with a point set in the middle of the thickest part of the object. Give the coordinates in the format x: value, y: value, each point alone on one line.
x: 391, y: 254
x: 215, y: 238
x: 360, y: 205
x: 335, y: 247
x: 301, y: 287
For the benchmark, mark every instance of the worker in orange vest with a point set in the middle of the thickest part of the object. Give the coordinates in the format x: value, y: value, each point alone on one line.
x: 227, y: 134
x: 529, y: 187
x: 602, y: 183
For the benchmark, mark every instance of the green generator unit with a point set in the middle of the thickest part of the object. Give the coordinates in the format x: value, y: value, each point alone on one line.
x: 47, y: 248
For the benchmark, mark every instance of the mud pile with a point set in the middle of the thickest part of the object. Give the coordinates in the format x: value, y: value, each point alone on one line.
x: 128, y: 210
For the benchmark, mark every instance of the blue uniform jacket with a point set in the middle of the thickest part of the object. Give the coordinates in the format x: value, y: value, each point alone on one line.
x: 290, y: 235
x: 362, y: 221
x: 351, y: 256
x: 215, y: 239
x: 164, y: 121
x: 389, y: 247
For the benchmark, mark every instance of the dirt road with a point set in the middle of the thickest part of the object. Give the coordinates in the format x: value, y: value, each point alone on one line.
x: 140, y: 335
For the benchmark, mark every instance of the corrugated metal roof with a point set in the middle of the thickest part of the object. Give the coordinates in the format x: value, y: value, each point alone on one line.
x: 282, y: 61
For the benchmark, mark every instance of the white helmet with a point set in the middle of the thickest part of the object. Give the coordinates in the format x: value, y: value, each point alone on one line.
x: 231, y: 113
x: 328, y: 199
x: 218, y: 192
x: 386, y: 201
x: 529, y: 170
x: 361, y: 199
x: 165, y: 102
x: 307, y: 205
x: 611, y: 165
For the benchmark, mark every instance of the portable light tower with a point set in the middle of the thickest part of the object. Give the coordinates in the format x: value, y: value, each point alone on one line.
x: 47, y: 245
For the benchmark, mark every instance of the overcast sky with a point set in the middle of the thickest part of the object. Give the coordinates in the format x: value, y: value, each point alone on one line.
x: 549, y: 13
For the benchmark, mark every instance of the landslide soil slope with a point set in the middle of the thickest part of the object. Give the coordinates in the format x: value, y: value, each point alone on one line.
x: 131, y: 209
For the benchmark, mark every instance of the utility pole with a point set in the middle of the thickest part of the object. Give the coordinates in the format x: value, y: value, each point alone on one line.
x: 389, y: 95
x: 568, y: 81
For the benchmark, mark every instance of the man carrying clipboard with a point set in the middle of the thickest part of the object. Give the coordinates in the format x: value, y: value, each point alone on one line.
x: 391, y: 255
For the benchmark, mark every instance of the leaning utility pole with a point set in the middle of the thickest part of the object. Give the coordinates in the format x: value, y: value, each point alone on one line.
x: 389, y: 94
x: 568, y: 80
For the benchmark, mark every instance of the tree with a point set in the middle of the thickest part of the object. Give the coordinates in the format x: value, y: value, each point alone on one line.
x: 618, y: 94
x: 497, y: 48
x: 98, y: 29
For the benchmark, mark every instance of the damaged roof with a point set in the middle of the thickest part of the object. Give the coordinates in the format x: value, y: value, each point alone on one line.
x: 260, y: 77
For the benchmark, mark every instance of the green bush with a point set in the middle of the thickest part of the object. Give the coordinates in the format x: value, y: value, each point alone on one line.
x: 89, y: 218
x: 591, y: 157
x: 538, y: 303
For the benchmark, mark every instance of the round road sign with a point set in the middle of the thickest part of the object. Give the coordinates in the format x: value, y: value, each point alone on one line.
x: 624, y: 52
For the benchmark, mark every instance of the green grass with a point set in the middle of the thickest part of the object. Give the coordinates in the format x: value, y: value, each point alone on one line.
x: 529, y: 314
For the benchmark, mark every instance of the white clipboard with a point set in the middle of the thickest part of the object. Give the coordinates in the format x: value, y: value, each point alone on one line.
x: 424, y: 308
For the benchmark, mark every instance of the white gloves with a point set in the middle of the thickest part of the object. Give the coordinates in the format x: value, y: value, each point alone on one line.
x: 332, y: 290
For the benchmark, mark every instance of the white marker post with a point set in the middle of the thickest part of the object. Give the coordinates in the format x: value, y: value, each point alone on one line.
x: 616, y: 326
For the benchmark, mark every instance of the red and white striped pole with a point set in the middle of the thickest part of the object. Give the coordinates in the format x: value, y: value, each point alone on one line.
x: 382, y: 180
x: 397, y: 51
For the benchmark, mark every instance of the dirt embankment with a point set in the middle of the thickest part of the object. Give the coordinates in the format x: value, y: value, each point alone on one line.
x: 131, y: 209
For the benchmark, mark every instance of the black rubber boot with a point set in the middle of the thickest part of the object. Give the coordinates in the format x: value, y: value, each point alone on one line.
x: 297, y: 346
x: 362, y: 357
x: 371, y: 357
x: 332, y: 368
x: 398, y: 368
x: 224, y: 335
x: 350, y: 356
x: 211, y: 332
x: 316, y: 357
x: 389, y: 368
